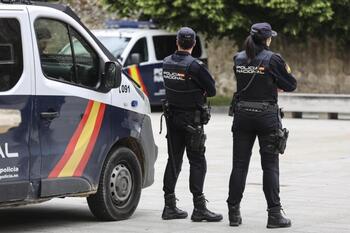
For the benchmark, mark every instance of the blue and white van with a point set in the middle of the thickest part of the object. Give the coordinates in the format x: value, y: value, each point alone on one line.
x: 70, y: 123
x: 141, y: 51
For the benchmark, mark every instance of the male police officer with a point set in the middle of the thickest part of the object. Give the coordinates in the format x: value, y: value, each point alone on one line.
x: 187, y: 83
x: 259, y: 73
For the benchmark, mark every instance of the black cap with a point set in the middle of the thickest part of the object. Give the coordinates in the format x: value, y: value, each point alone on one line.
x: 186, y: 37
x: 262, y: 30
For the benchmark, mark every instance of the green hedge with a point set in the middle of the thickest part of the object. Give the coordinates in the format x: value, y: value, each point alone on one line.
x: 295, y: 19
x: 220, y: 100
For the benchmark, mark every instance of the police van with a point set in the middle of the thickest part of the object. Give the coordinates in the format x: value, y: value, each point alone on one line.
x: 71, y: 124
x: 141, y: 48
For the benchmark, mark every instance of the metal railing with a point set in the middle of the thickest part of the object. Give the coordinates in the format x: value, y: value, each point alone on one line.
x: 314, y: 106
x: 323, y: 106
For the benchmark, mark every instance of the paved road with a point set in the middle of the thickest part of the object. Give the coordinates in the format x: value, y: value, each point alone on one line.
x: 315, y: 189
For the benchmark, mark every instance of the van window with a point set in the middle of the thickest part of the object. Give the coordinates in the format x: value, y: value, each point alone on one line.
x: 64, y: 54
x: 86, y: 61
x: 52, y: 36
x: 166, y: 45
x: 11, y: 54
x: 140, y: 49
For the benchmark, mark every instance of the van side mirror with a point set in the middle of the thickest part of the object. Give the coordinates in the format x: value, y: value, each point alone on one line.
x: 135, y: 58
x: 113, y: 75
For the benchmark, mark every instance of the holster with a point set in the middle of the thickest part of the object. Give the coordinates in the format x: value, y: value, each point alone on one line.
x: 205, y: 115
x: 282, y: 135
x: 278, y: 140
x: 197, y: 138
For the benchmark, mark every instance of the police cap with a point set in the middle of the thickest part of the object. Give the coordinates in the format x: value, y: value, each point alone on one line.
x: 186, y: 37
x: 262, y: 30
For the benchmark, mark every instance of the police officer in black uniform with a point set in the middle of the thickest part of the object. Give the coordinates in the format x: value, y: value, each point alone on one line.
x: 187, y: 83
x: 260, y: 73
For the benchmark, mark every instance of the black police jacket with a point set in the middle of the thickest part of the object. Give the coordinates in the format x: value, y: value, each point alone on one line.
x: 272, y: 74
x: 187, y: 82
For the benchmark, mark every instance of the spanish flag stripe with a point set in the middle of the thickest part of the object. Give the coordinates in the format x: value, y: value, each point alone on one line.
x: 133, y: 74
x: 141, y: 80
x: 80, y: 169
x: 136, y: 76
x: 83, y: 141
x: 72, y: 143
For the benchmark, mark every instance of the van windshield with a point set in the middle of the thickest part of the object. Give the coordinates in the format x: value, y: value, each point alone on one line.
x: 115, y: 45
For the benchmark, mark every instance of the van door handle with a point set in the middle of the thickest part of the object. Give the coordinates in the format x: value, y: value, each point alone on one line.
x: 49, y: 115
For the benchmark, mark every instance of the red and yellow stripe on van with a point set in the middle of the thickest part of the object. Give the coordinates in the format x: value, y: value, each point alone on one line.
x: 80, y: 147
x: 134, y: 72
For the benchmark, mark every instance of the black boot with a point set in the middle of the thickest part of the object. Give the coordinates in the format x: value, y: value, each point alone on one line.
x: 276, y: 218
x: 234, y: 215
x: 201, y: 213
x: 170, y: 210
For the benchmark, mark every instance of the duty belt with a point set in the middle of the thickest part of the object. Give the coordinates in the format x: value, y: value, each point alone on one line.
x: 256, y: 106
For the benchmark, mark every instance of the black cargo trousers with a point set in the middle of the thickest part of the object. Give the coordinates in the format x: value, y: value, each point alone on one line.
x: 248, y: 125
x: 180, y: 138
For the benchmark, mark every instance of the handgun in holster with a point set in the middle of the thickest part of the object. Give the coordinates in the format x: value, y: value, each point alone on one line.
x: 280, y: 137
x: 197, y: 139
x: 205, y: 114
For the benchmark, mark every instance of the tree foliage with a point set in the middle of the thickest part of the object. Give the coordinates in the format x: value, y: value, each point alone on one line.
x: 233, y: 18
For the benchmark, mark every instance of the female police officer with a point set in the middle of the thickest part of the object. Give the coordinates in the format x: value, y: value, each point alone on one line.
x: 259, y: 74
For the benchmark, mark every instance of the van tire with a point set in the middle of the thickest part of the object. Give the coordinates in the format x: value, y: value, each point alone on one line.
x: 122, y: 169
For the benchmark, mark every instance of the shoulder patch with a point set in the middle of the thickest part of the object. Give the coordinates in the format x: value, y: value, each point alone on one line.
x: 288, y: 69
x: 199, y: 62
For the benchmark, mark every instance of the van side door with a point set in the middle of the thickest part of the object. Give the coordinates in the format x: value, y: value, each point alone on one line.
x: 16, y: 102
x: 69, y: 107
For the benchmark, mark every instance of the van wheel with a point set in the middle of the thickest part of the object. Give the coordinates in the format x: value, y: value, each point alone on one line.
x: 119, y: 189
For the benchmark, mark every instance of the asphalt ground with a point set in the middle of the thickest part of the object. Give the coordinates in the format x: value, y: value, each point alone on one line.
x: 314, y: 177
